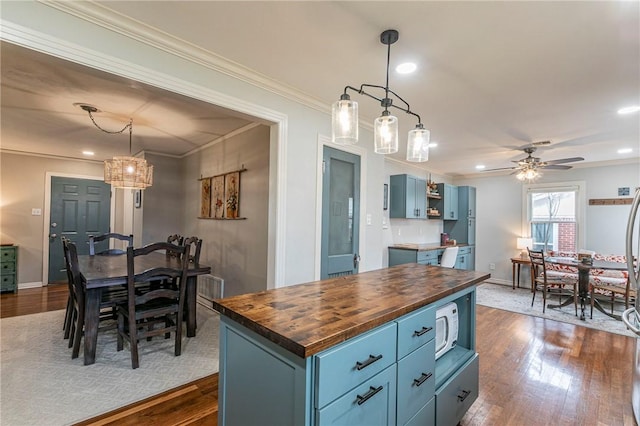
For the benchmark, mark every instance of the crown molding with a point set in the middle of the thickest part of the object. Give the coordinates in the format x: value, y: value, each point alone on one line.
x: 113, y: 21
x: 49, y: 156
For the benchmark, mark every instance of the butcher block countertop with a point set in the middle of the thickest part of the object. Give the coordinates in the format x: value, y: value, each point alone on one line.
x: 424, y: 247
x: 308, y: 318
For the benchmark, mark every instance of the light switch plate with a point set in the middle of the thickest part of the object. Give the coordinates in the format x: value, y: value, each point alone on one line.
x: 36, y: 212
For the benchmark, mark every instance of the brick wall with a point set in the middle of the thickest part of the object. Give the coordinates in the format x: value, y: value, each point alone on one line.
x: 567, y: 237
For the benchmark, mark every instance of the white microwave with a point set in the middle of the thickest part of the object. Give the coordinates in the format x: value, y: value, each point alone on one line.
x: 446, y: 328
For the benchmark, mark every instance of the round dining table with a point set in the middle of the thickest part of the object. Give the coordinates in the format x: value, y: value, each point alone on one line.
x: 583, y: 279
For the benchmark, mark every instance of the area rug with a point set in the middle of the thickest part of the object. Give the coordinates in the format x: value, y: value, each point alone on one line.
x: 519, y: 300
x: 41, y: 385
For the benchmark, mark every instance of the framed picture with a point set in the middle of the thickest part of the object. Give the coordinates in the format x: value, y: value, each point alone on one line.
x: 385, y: 204
x: 137, y: 199
x: 205, y: 205
x: 232, y: 195
x: 217, y: 196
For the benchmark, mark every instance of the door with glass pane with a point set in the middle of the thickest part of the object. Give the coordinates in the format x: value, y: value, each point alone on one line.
x: 340, y: 213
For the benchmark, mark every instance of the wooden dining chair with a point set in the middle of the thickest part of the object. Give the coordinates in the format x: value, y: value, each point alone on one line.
x: 94, y: 239
x: 158, y: 311
x: 197, y: 248
x: 541, y: 279
x: 111, y: 297
x: 68, y: 315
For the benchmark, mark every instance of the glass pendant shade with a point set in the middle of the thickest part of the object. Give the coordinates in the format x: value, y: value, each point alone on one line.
x: 418, y: 145
x: 528, y: 174
x: 128, y: 172
x: 344, y: 122
x: 385, y: 134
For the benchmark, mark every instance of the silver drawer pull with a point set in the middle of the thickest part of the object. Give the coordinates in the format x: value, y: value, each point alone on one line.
x: 421, y: 332
x: 371, y: 360
x: 463, y: 395
x: 361, y: 399
x: 423, y: 378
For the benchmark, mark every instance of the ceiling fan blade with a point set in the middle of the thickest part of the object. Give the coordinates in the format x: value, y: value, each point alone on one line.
x: 565, y: 160
x: 501, y: 168
x: 555, y: 167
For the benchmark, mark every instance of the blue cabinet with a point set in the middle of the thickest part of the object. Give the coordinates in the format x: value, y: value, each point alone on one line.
x: 463, y: 230
x: 408, y: 197
x: 387, y: 376
x: 426, y: 257
x: 448, y: 205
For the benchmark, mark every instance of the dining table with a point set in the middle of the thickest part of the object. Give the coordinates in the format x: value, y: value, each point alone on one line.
x: 583, y: 280
x: 101, y: 272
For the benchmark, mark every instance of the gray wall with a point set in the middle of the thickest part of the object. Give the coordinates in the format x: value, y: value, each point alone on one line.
x: 22, y: 188
x: 235, y: 249
x: 163, y: 204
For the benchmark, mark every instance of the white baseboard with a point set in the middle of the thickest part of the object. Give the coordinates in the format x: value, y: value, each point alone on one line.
x: 36, y: 284
x: 499, y: 281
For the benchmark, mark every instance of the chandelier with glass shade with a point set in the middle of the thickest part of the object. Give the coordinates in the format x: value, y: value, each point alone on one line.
x: 344, y: 117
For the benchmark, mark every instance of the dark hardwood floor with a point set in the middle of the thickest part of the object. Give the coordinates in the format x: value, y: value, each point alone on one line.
x: 532, y: 372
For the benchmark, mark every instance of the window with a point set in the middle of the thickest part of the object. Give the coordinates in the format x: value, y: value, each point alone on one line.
x: 553, y: 216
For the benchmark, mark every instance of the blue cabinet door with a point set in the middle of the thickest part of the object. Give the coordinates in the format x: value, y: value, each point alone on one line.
x: 372, y: 403
x: 408, y: 197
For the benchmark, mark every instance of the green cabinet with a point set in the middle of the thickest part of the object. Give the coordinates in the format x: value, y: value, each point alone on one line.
x: 448, y: 205
x: 408, y: 197
x: 9, y: 268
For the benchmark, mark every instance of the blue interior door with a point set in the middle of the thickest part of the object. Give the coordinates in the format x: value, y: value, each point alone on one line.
x: 79, y: 208
x: 340, y: 213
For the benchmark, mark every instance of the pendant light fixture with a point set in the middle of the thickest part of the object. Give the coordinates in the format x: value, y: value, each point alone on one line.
x: 344, y: 117
x: 126, y: 172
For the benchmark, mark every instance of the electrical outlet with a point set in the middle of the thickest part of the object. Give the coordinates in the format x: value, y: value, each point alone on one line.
x: 36, y: 212
x: 492, y: 266
x: 368, y: 219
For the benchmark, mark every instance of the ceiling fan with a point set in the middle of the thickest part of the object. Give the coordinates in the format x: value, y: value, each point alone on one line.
x: 527, y: 168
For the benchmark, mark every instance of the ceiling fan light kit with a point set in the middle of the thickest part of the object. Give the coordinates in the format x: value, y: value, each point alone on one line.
x: 125, y: 172
x: 344, y: 117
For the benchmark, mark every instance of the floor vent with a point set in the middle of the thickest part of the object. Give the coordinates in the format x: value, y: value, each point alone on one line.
x: 209, y: 287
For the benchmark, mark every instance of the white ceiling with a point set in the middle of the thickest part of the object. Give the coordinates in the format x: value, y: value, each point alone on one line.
x: 492, y: 77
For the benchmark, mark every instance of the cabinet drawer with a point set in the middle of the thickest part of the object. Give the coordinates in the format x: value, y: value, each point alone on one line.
x: 7, y: 267
x: 426, y: 256
x: 7, y: 254
x: 455, y: 397
x: 464, y: 250
x: 354, y: 361
x: 8, y: 283
x: 416, y: 381
x: 414, y: 330
x: 371, y: 403
x: 425, y: 417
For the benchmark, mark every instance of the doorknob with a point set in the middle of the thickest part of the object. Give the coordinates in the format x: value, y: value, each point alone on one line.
x: 356, y: 260
x: 52, y: 236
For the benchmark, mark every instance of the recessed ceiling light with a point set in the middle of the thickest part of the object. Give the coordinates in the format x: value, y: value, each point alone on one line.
x: 480, y: 166
x: 406, y: 68
x: 629, y: 109
x: 88, y: 153
x: 625, y: 151
x: 433, y: 145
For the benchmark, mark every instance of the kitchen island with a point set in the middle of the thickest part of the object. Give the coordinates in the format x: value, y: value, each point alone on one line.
x: 358, y: 349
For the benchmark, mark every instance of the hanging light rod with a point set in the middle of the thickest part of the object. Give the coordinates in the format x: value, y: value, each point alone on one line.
x: 344, y: 117
x: 122, y: 171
